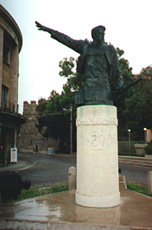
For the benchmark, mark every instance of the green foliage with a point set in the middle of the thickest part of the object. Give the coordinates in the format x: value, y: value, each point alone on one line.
x: 55, y: 113
x: 148, y: 148
x: 57, y: 103
x: 74, y: 80
x: 67, y: 67
x: 138, y: 107
x: 36, y: 191
x: 137, y: 187
x: 41, y: 106
x: 56, y: 117
x: 119, y: 52
x: 120, y: 103
x: 128, y: 77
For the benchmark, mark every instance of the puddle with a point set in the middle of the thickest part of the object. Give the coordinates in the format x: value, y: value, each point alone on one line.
x: 36, y: 210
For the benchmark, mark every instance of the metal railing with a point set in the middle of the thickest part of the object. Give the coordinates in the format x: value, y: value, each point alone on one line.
x: 7, y: 106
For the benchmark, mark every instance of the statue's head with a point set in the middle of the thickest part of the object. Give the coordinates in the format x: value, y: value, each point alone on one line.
x: 98, y: 33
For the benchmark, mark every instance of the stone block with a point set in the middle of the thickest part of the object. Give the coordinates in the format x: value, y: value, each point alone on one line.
x: 72, y: 178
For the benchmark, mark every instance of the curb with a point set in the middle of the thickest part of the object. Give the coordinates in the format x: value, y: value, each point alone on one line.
x: 27, y: 167
x: 19, y: 166
x: 135, y: 161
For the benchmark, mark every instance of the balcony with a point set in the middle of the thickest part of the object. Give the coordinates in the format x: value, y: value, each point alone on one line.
x: 7, y: 106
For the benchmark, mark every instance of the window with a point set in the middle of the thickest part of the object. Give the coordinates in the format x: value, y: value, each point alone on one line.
x: 6, y: 54
x: 5, y: 93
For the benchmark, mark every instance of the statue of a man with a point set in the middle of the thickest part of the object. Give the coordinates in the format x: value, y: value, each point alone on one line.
x: 98, y: 62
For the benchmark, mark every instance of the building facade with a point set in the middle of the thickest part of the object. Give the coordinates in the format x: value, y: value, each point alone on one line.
x: 10, y: 119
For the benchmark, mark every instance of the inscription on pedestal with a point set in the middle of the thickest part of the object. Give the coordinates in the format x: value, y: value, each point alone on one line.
x: 98, y: 140
x: 98, y: 121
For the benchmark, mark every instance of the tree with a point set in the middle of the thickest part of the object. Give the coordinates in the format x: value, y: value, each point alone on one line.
x: 120, y: 102
x: 138, y: 107
x: 56, y: 117
x: 128, y: 77
x: 74, y: 80
x: 41, y: 106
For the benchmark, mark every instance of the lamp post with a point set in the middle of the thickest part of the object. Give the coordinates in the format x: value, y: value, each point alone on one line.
x: 71, y: 146
x: 71, y: 130
x: 129, y: 131
x: 145, y: 134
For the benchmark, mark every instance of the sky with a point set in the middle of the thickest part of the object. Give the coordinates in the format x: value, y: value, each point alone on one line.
x: 128, y: 26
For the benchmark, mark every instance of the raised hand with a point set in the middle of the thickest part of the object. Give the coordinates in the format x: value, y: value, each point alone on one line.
x: 40, y: 27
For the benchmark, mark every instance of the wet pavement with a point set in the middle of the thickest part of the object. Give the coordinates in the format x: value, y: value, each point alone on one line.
x: 59, y: 211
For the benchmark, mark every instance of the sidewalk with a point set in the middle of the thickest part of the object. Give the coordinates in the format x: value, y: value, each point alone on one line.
x: 59, y: 211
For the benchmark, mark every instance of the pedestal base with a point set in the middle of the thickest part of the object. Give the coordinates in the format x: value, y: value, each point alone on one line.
x: 97, y: 156
x: 98, y: 202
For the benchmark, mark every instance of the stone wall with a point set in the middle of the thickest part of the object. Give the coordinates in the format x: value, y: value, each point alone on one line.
x: 29, y: 136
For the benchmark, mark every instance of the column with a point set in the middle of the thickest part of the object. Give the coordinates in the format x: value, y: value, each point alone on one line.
x: 97, y: 157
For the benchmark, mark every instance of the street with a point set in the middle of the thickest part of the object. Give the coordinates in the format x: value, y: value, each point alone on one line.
x: 48, y: 170
x: 135, y: 173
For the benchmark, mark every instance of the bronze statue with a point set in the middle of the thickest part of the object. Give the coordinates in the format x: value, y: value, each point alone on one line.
x: 98, y: 62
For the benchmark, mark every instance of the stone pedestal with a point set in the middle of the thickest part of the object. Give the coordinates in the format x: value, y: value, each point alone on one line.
x: 97, y: 156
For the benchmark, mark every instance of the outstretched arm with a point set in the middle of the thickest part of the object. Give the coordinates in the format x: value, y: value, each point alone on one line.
x: 76, y: 45
x: 43, y: 28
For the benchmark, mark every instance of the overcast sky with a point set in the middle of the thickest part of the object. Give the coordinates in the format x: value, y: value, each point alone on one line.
x: 128, y: 26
